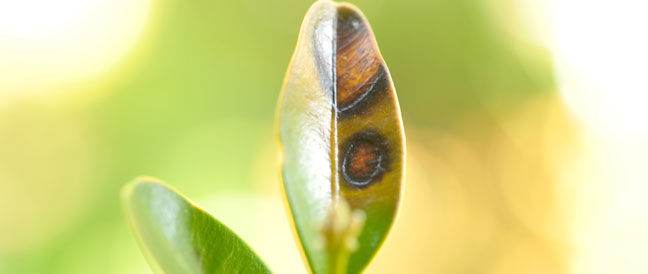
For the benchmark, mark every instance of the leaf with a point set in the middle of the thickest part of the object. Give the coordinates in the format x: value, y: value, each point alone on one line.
x: 341, y: 134
x: 177, y: 236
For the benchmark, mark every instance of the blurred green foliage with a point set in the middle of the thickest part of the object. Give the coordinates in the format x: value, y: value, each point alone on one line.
x: 176, y: 236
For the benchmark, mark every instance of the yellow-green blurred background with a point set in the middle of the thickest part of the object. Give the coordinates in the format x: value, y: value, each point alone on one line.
x: 526, y: 127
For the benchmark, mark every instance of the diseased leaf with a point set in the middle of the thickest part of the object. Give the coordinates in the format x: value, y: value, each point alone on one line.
x: 341, y: 134
x: 176, y: 236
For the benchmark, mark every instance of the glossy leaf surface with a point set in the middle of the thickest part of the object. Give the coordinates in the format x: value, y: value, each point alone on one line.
x: 176, y: 236
x: 341, y: 132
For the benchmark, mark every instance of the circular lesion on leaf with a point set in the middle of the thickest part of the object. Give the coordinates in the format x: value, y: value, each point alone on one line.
x: 365, y: 158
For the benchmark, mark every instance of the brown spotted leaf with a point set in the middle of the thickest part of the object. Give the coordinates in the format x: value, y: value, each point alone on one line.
x: 342, y: 139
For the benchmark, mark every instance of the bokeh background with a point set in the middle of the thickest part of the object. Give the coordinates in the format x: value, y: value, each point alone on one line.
x: 526, y: 124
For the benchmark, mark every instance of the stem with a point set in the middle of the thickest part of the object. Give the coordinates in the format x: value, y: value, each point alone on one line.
x: 338, y: 261
x: 340, y: 234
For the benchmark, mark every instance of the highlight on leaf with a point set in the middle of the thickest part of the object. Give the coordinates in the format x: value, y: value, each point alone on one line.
x: 341, y: 134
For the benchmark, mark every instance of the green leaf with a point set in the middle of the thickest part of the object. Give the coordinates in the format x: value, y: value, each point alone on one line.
x: 342, y: 140
x: 177, y: 236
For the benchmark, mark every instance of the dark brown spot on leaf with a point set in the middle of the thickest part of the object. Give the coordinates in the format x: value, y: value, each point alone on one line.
x: 360, y: 72
x: 365, y: 158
